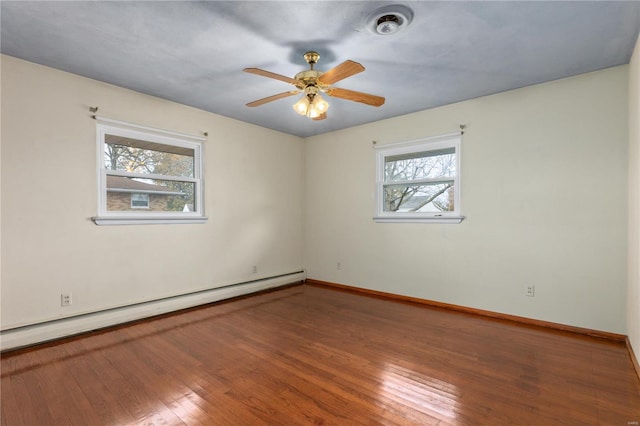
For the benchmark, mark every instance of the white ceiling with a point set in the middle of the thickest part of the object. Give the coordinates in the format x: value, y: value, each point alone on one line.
x: 194, y: 52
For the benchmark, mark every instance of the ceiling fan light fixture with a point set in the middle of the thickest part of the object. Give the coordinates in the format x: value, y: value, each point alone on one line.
x: 313, y: 112
x: 302, y: 106
x: 311, y: 105
x: 320, y: 104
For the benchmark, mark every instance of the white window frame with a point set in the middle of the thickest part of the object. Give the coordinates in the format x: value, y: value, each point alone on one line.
x: 105, y: 126
x: 452, y: 140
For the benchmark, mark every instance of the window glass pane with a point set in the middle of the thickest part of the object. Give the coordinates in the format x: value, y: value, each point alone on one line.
x: 137, y: 156
x: 131, y: 194
x: 420, y: 165
x: 437, y: 197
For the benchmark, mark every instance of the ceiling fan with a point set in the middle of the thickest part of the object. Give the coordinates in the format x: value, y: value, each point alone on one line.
x: 312, y: 82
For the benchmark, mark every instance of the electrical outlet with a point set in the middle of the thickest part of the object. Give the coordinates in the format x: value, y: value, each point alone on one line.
x: 531, y: 290
x: 339, y: 266
x: 65, y: 299
x: 254, y: 270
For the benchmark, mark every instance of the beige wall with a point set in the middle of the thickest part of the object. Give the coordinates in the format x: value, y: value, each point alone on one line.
x: 633, y: 291
x: 544, y: 185
x: 544, y: 178
x: 252, y: 198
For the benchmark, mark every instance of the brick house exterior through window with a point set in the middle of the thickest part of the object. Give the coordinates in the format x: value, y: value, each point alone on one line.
x: 124, y: 194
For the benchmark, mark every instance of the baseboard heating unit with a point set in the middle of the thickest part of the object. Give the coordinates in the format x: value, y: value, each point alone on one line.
x: 17, y: 337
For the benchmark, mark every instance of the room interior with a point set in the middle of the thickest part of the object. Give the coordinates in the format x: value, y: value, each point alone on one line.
x: 546, y: 94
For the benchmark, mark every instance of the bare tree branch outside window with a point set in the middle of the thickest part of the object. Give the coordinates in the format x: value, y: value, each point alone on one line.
x: 420, y: 181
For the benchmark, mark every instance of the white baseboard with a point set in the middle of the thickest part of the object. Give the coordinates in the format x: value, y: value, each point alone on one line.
x: 38, y: 333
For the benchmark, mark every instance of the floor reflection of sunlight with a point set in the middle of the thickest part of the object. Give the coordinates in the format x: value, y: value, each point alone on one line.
x: 180, y: 408
x: 425, y: 394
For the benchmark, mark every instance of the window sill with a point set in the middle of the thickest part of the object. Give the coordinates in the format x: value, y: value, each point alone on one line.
x: 128, y: 220
x: 419, y: 219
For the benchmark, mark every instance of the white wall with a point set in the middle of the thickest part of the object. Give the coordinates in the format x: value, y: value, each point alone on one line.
x: 544, y: 187
x: 633, y: 296
x: 253, y: 186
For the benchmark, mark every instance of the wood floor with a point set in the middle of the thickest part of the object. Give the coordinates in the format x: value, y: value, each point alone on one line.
x: 311, y: 355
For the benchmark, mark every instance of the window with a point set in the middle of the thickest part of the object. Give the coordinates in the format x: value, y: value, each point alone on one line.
x: 419, y: 181
x: 139, y: 201
x: 147, y: 175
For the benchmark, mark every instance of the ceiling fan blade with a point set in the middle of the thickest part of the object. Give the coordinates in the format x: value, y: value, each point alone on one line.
x: 272, y: 98
x: 320, y: 117
x: 340, y: 72
x: 263, y: 73
x: 352, y: 95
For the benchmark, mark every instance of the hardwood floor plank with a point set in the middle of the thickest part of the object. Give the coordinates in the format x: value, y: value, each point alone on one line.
x: 313, y: 355
x: 28, y: 391
x: 64, y: 394
x: 9, y: 400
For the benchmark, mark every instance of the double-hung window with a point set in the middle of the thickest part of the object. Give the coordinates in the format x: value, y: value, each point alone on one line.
x: 419, y: 181
x: 147, y: 175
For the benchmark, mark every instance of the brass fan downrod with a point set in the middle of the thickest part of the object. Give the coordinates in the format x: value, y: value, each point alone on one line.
x: 310, y: 76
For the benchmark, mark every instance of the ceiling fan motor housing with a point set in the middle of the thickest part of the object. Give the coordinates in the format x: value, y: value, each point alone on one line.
x: 308, y: 77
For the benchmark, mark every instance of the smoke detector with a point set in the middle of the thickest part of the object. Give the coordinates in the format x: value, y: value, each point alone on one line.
x: 389, y: 20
